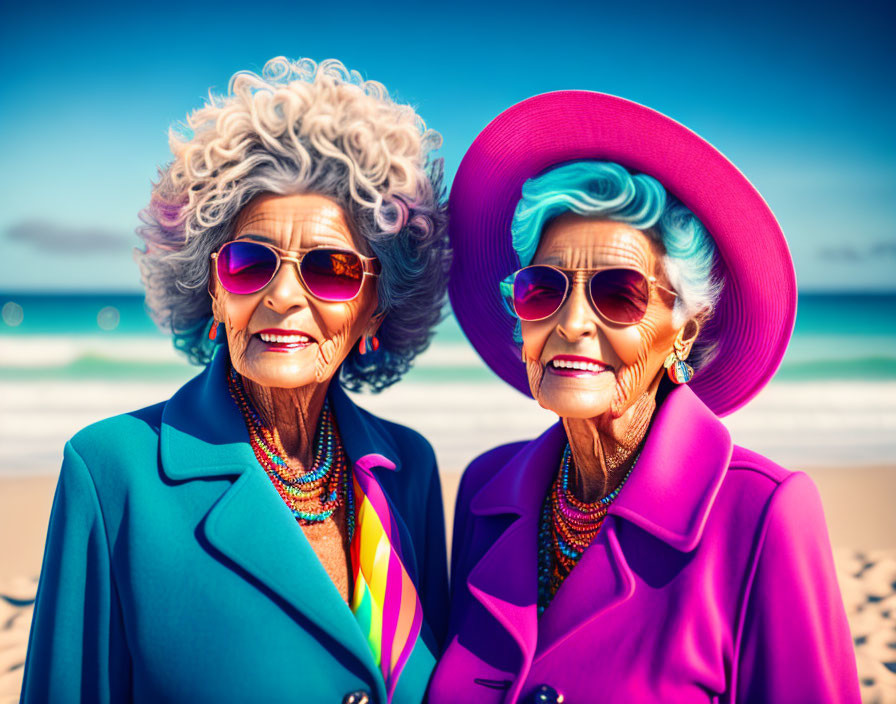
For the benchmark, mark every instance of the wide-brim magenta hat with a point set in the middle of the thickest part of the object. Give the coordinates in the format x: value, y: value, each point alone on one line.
x: 754, y: 318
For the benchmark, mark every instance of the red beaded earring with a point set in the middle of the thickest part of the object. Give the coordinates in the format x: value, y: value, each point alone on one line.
x: 213, y: 331
x: 364, y: 346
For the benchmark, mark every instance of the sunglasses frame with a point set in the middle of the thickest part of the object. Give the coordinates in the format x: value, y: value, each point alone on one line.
x: 571, y: 276
x: 370, y: 266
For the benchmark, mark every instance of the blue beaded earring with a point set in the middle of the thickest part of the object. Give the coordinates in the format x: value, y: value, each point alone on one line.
x: 678, y: 370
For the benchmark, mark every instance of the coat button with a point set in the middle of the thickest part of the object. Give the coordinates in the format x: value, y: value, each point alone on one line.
x: 545, y: 694
x: 358, y: 697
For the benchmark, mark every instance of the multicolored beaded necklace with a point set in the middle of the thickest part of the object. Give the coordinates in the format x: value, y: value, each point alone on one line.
x: 568, y: 527
x: 312, y: 496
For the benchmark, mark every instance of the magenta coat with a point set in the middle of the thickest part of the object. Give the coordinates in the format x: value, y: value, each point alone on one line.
x: 711, y: 580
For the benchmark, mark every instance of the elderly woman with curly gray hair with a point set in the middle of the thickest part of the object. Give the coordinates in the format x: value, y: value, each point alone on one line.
x: 258, y: 537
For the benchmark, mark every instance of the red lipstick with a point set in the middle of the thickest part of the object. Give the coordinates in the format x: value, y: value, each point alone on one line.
x: 576, y: 365
x: 282, y: 340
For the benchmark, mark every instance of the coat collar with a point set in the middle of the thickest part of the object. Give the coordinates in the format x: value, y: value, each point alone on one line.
x: 203, y: 435
x: 685, y: 456
x: 669, y: 494
x: 679, y: 473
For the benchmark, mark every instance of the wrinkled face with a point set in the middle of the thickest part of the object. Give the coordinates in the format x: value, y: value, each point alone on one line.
x: 623, y: 360
x: 315, y: 335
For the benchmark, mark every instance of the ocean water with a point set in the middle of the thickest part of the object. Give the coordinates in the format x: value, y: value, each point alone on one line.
x: 110, y: 336
x: 69, y: 360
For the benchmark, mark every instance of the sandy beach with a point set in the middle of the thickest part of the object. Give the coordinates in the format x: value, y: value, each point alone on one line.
x: 843, y: 433
x: 858, y: 505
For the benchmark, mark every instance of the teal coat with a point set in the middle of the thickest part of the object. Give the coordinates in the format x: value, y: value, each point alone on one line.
x: 173, y: 570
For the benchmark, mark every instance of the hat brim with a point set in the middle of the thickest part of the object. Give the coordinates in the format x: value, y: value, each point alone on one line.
x: 753, y: 321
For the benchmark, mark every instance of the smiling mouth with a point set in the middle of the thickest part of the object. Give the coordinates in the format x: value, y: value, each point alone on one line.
x: 576, y: 366
x: 283, y: 341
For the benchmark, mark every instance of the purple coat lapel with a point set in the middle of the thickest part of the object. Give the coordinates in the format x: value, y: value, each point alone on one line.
x: 601, y: 581
x: 685, y: 433
x: 505, y: 580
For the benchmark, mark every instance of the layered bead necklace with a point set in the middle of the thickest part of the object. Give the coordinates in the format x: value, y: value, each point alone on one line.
x: 568, y: 526
x: 312, y: 496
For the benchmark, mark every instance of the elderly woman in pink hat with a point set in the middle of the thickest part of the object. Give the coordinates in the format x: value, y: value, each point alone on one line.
x: 617, y: 268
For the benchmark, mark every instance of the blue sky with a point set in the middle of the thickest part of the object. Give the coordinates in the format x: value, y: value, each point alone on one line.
x: 798, y: 96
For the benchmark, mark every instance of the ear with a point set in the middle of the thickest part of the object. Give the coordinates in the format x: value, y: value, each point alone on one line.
x: 686, y: 337
x: 374, y: 324
x: 212, y: 288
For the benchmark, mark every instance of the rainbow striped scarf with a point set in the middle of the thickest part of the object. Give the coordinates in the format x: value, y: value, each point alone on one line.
x: 384, y: 599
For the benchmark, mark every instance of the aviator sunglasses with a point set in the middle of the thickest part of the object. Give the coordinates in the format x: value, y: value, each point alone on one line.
x: 329, y: 274
x: 620, y: 295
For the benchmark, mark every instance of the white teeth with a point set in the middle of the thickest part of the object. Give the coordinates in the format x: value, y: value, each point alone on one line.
x: 584, y: 366
x: 291, y: 339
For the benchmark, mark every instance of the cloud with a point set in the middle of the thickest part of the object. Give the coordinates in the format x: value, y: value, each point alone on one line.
x: 851, y: 253
x: 844, y: 253
x: 883, y: 249
x: 48, y: 236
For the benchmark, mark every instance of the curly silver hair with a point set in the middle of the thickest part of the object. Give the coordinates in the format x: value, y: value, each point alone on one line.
x: 302, y: 127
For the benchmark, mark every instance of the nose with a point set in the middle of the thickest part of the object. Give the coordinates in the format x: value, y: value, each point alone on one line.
x: 286, y: 291
x: 576, y: 317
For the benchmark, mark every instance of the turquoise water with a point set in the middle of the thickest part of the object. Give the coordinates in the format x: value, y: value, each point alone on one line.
x: 837, y: 336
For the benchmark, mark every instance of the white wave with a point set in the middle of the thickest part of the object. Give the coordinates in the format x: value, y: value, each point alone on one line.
x: 48, y: 351
x: 798, y: 424
x: 58, y: 350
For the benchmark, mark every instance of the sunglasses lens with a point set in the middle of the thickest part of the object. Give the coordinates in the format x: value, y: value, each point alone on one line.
x: 246, y: 267
x: 538, y: 292
x: 620, y: 295
x: 332, y: 274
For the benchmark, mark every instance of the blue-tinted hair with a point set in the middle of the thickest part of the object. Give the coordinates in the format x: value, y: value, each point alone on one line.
x: 607, y: 190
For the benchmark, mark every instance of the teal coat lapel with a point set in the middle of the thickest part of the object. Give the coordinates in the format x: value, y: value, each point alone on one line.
x: 203, y: 435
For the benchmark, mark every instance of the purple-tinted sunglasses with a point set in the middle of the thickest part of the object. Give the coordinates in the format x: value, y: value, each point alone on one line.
x: 619, y: 294
x: 329, y: 274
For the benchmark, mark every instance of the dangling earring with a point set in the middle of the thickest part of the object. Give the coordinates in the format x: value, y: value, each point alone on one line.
x: 678, y: 370
x: 213, y: 331
x: 364, y: 346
